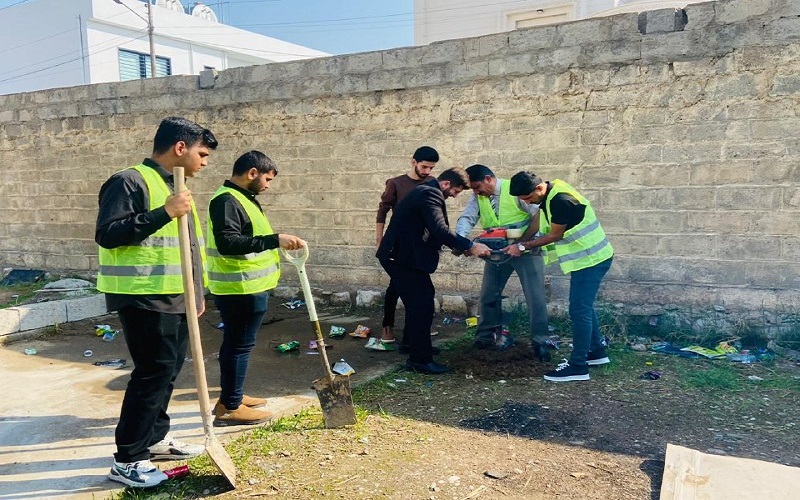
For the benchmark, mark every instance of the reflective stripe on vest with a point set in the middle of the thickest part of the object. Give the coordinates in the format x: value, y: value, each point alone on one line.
x: 509, y: 216
x: 152, y: 266
x: 242, y: 274
x: 582, y: 246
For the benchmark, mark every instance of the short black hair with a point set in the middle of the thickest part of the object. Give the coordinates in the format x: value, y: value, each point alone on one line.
x: 478, y: 172
x: 523, y: 183
x: 175, y: 129
x: 456, y: 176
x: 426, y: 153
x: 254, y: 159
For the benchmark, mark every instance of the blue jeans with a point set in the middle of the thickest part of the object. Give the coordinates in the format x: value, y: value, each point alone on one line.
x: 583, y: 287
x: 242, y: 316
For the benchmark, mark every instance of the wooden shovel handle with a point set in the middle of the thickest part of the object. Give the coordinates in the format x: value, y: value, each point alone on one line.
x: 191, y: 308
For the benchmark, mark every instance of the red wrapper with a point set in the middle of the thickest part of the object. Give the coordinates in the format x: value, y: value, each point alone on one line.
x: 180, y: 471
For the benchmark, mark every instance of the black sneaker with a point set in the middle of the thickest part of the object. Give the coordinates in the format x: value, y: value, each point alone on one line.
x: 597, y: 358
x: 566, y: 372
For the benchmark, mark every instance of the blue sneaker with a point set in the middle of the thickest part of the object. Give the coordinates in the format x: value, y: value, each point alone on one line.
x: 141, y: 474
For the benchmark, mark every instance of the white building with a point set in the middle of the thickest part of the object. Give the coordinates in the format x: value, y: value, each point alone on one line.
x: 447, y: 19
x: 61, y: 43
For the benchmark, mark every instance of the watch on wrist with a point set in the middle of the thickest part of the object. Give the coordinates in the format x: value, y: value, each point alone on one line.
x: 521, y: 247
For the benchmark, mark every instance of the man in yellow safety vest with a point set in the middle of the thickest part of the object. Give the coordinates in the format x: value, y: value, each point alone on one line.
x: 495, y: 208
x: 571, y: 235
x: 243, y: 267
x: 140, y: 273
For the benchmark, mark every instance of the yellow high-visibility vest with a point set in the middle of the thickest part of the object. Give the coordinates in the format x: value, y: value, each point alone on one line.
x: 582, y: 246
x: 509, y: 214
x: 153, y: 265
x: 242, y: 274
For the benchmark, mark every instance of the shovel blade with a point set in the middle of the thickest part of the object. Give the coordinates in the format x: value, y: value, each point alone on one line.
x: 336, y: 401
x: 221, y: 459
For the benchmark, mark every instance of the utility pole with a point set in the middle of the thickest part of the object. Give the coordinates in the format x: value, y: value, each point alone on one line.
x: 149, y: 21
x: 150, y: 36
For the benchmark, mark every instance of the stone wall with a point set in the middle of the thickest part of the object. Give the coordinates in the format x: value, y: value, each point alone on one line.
x: 681, y: 126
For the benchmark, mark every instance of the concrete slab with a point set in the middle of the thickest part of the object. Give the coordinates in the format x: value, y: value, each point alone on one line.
x: 690, y: 474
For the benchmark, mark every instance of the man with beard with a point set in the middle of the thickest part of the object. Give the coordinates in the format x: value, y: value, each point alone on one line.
x: 140, y: 273
x: 243, y: 266
x: 422, y: 163
x: 410, y: 254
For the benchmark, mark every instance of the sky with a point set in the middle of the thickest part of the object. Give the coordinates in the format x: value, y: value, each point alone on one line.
x: 333, y: 26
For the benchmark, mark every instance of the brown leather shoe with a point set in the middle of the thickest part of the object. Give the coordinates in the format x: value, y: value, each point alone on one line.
x: 253, y: 402
x: 244, y: 415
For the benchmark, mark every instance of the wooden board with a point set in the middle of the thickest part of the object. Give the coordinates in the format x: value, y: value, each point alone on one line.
x: 692, y: 475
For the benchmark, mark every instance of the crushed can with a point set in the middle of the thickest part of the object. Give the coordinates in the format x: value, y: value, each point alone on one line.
x: 177, y: 472
x: 288, y: 346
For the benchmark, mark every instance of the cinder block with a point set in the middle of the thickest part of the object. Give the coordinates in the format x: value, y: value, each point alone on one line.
x: 454, y: 304
x: 86, y: 307
x: 368, y: 298
x: 286, y: 292
x: 341, y: 299
x: 662, y: 21
x: 9, y: 320
x: 43, y: 314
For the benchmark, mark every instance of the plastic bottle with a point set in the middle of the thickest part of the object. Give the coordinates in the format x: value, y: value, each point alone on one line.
x: 743, y: 356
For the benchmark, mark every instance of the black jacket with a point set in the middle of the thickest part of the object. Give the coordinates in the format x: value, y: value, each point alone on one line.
x: 419, y: 228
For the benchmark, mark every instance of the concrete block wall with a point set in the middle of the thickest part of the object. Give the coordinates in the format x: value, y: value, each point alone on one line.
x: 680, y: 126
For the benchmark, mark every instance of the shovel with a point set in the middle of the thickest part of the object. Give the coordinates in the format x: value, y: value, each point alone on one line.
x: 333, y: 391
x: 216, y: 452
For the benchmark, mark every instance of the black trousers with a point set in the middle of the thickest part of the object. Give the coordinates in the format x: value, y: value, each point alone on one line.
x: 416, y: 289
x: 157, y: 344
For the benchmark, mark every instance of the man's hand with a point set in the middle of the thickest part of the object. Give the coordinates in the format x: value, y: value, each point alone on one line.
x: 513, y: 250
x: 479, y: 250
x: 290, y: 242
x: 179, y: 204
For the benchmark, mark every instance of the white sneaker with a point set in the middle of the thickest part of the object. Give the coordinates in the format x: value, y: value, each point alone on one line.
x: 170, y: 448
x: 141, y: 474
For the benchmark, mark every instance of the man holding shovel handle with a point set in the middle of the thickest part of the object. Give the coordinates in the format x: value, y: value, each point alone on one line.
x: 243, y: 266
x: 140, y: 273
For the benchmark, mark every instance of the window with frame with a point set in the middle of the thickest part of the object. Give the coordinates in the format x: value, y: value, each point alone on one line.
x: 135, y: 65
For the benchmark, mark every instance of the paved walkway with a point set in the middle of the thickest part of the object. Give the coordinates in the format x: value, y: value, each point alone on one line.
x: 58, y: 411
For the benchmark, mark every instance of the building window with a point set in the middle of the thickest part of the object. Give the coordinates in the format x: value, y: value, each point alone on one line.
x: 134, y: 65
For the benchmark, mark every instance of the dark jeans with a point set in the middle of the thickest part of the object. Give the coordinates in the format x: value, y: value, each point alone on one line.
x: 242, y: 316
x: 583, y: 287
x: 416, y: 289
x: 157, y: 344
x: 530, y: 270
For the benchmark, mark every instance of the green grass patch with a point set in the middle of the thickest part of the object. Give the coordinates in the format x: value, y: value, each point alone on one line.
x: 25, y: 292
